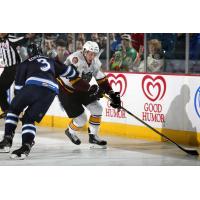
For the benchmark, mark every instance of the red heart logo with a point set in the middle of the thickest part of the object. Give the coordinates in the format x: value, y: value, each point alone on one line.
x: 118, y: 82
x: 154, y: 88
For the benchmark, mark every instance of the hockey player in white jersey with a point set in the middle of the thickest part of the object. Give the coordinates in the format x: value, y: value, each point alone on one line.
x: 88, y: 65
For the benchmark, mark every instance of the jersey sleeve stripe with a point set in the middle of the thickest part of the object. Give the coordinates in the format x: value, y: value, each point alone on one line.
x: 18, y: 87
x: 67, y: 71
x: 72, y: 74
x: 15, y: 39
x: 75, y: 81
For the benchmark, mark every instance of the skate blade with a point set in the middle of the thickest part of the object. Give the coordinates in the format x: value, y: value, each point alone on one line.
x: 96, y: 146
x: 5, y: 150
x: 15, y: 157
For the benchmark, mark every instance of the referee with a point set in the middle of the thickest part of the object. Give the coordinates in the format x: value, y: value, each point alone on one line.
x: 8, y: 50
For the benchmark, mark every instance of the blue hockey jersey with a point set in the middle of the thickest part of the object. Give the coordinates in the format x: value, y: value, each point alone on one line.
x: 42, y: 71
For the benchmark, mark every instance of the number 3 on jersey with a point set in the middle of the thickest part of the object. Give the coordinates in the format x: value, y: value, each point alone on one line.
x: 45, y: 65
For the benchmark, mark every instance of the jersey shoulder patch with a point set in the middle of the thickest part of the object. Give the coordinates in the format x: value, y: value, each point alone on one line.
x: 74, y: 60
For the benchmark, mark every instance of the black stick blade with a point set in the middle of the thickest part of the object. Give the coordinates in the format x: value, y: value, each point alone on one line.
x: 192, y: 152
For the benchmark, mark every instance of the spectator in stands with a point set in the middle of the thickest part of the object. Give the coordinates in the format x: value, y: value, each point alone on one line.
x: 155, y: 59
x: 95, y: 37
x: 70, y: 47
x: 169, y: 42
x: 112, y: 37
x: 81, y: 38
x: 138, y: 42
x: 102, y: 42
x: 61, y: 50
x: 103, y: 46
x: 79, y: 45
x: 127, y: 58
x: 116, y: 43
x: 80, y: 41
x: 49, y: 48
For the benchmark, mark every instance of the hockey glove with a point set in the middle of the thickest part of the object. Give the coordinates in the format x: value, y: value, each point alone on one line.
x: 115, y: 99
x: 95, y: 92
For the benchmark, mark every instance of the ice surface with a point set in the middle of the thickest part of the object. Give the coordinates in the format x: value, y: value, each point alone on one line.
x: 53, y: 148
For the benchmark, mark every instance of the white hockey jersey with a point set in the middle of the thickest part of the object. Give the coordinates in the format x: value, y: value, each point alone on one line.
x: 86, y: 71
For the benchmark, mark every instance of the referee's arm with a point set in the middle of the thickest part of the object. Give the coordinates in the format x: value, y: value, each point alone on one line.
x: 20, y: 41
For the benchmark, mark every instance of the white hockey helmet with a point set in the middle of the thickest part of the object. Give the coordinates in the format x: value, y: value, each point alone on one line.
x: 91, y: 46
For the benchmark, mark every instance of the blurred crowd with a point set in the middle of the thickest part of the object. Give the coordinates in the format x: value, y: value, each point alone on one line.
x: 166, y: 52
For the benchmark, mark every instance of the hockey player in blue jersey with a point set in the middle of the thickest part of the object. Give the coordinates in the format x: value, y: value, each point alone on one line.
x: 35, y: 89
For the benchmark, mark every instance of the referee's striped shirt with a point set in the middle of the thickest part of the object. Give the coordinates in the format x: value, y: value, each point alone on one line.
x: 8, y: 49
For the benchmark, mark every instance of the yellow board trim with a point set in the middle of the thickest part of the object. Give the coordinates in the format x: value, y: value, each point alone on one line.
x: 129, y: 131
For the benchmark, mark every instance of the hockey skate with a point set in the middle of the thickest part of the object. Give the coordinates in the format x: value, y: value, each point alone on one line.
x: 74, y: 138
x: 96, y: 142
x: 6, y: 144
x: 22, y: 152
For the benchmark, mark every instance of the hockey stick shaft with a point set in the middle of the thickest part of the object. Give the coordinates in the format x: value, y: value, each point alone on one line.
x: 3, y: 115
x: 191, y: 152
x: 150, y: 127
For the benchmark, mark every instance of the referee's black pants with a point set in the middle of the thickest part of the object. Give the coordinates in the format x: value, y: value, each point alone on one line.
x: 6, y: 79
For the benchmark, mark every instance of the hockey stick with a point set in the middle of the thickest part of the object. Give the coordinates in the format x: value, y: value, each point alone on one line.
x: 3, y: 115
x: 188, y: 151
